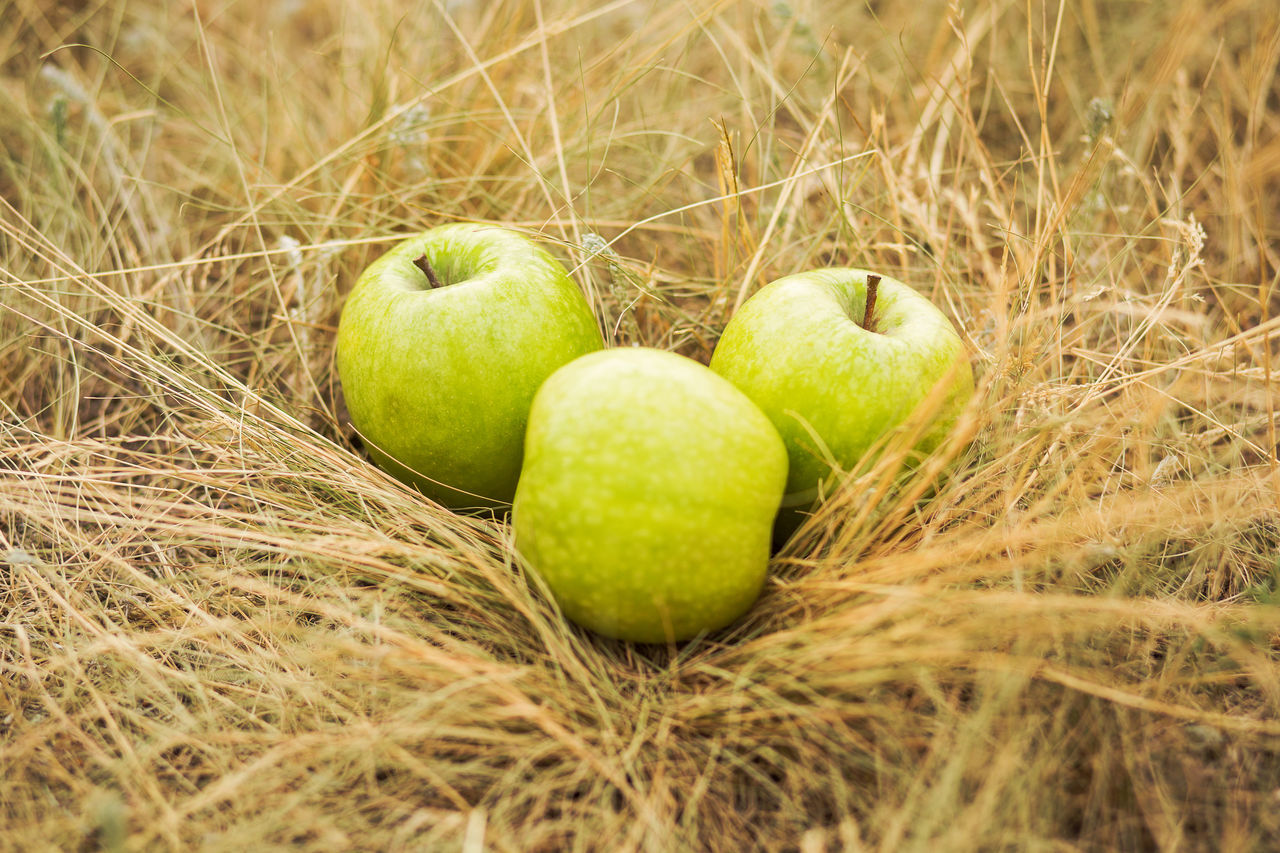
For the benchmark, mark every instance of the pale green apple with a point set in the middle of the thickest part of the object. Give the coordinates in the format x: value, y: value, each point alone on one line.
x: 439, y: 376
x: 798, y: 348
x: 648, y: 495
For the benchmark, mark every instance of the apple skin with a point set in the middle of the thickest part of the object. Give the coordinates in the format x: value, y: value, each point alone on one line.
x: 438, y: 381
x: 798, y: 350
x: 648, y: 495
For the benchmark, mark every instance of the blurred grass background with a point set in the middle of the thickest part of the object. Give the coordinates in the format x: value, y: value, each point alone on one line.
x: 221, y: 629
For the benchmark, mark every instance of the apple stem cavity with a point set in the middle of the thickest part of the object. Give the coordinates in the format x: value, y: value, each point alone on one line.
x: 868, y: 316
x: 423, y: 264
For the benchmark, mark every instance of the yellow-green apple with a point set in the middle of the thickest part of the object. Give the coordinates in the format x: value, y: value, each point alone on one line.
x: 836, y: 365
x: 441, y: 346
x: 648, y: 495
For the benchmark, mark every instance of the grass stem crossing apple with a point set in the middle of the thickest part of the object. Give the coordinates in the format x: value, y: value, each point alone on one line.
x: 833, y: 387
x: 648, y: 495
x: 441, y: 346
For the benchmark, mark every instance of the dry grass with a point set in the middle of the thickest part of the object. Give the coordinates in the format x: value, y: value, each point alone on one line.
x: 220, y: 628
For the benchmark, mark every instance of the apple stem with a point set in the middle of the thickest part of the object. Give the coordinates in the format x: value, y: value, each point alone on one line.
x: 868, y: 317
x: 423, y: 264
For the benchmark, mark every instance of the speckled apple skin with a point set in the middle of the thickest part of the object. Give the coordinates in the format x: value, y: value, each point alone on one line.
x: 648, y: 495
x: 832, y: 388
x: 439, y: 382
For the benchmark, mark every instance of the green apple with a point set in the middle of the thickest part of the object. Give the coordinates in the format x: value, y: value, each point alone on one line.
x: 441, y: 347
x: 835, y: 377
x: 648, y: 495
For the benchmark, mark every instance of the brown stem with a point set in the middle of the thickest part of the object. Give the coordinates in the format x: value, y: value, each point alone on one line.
x: 423, y: 264
x: 868, y: 317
